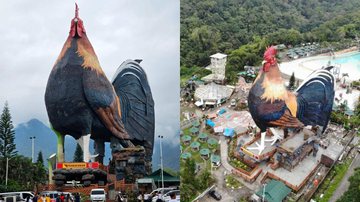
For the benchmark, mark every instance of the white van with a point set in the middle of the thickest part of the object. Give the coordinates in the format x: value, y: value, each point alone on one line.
x: 20, y: 195
x: 98, y: 195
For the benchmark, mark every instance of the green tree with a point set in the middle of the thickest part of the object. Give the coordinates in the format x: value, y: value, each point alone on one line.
x: 40, y: 159
x: 292, y: 82
x: 39, y: 170
x: 78, y: 155
x: 188, y: 183
x: 205, y: 179
x: 353, y: 193
x: 7, y: 134
x: 249, y: 54
x: 23, y: 174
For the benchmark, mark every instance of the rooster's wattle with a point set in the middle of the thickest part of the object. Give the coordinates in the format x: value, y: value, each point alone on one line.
x: 272, y: 105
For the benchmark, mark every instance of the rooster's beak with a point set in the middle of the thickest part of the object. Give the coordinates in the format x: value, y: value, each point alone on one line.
x: 263, y: 62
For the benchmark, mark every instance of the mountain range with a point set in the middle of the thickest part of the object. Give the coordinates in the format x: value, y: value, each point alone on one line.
x: 45, y: 141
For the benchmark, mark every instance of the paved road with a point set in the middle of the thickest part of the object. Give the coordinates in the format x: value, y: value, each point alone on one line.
x: 224, y: 154
x: 344, y: 185
x: 228, y: 195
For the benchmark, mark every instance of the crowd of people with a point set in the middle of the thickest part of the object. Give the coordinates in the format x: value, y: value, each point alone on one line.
x: 60, y: 198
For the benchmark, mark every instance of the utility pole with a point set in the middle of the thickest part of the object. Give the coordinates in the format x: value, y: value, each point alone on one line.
x: 161, y: 162
x: 32, y: 148
x: 7, y: 171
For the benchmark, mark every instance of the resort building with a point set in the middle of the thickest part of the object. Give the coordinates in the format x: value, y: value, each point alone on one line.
x: 217, y: 68
x: 212, y: 94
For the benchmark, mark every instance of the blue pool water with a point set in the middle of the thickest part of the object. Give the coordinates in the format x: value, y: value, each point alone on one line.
x: 353, y: 59
x: 348, y: 60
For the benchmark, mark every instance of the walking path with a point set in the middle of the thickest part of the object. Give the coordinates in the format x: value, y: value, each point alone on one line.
x: 228, y: 167
x: 344, y: 185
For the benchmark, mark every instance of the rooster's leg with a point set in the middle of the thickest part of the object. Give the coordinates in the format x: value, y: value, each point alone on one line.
x: 84, y: 142
x: 99, y: 147
x: 60, y: 146
x: 260, y: 146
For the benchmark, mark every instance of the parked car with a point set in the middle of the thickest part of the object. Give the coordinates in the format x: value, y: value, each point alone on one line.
x: 215, y: 195
x: 98, y: 195
x: 233, y: 102
x: 158, y: 193
x: 20, y: 196
x: 167, y: 197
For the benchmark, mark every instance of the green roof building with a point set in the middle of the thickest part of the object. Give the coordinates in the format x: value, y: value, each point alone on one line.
x: 186, y: 139
x: 203, y: 137
x: 194, y: 131
x: 215, y: 160
x: 205, y: 152
x: 169, y: 178
x: 195, y: 145
x: 185, y: 155
x: 212, y: 141
x: 275, y: 191
x: 196, y: 123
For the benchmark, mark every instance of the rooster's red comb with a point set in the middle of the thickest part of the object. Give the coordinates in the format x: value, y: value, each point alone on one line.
x: 270, y: 53
x: 77, y: 25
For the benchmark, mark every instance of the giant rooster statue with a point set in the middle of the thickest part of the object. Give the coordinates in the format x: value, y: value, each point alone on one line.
x: 272, y: 105
x: 82, y: 102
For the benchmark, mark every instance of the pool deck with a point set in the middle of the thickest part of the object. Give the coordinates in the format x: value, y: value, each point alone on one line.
x: 303, y: 67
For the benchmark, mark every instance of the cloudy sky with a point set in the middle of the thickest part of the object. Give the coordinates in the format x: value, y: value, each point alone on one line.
x: 32, y: 34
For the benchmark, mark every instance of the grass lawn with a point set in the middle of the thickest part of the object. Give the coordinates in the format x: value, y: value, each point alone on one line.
x: 239, y: 164
x: 329, y: 186
x: 186, y: 73
x: 232, y: 182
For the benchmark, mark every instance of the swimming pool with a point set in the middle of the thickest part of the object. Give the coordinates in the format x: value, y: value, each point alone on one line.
x: 302, y: 68
x: 351, y: 60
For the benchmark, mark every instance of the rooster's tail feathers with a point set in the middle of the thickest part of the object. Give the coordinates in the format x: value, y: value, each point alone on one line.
x: 321, y: 73
x: 137, y: 105
x: 315, y: 97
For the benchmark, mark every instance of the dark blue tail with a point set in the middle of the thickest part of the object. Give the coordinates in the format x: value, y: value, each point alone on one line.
x: 137, y: 105
x: 315, y: 98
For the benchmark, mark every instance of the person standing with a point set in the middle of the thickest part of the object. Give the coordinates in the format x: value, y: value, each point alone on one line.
x: 48, y: 198
x: 43, y: 198
x: 77, y: 197
x: 62, y: 198
x: 35, y: 198
x: 39, y: 199
x: 28, y: 199
x: 173, y: 197
x: 68, y: 198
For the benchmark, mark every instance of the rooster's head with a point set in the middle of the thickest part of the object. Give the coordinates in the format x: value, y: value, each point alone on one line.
x: 77, y: 26
x: 269, y: 58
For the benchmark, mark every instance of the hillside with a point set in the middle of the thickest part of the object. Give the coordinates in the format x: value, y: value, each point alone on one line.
x: 212, y: 26
x: 45, y: 141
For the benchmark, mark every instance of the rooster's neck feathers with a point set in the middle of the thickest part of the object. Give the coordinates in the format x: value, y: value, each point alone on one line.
x: 273, y: 90
x: 86, y: 51
x: 273, y: 85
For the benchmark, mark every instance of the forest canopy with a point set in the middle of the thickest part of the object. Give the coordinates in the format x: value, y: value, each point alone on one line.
x: 226, y: 26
